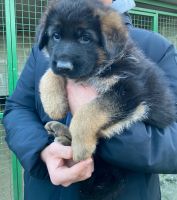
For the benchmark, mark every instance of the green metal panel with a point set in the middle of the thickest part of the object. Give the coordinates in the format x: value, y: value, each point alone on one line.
x: 17, y: 172
x: 9, y: 41
x: 149, y: 18
x: 156, y: 23
x: 13, y: 42
x: 143, y: 20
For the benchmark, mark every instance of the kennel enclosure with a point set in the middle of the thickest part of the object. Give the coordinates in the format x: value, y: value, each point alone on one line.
x: 18, y: 21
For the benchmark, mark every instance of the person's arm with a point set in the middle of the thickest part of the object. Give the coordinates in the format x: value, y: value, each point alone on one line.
x: 143, y: 147
x: 25, y: 133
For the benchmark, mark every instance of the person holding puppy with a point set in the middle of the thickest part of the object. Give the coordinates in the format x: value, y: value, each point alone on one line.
x: 142, y: 151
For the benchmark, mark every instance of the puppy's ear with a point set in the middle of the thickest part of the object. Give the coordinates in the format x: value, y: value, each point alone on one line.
x: 41, y: 33
x: 114, y: 33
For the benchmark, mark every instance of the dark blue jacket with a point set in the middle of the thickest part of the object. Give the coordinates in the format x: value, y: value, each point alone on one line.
x: 142, y: 151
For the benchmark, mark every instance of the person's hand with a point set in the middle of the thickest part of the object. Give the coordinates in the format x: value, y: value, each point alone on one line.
x: 79, y: 95
x: 62, y: 169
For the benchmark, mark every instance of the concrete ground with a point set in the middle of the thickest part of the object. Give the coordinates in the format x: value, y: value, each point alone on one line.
x: 6, y: 192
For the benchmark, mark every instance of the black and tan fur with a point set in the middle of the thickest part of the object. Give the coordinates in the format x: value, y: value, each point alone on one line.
x: 88, y: 42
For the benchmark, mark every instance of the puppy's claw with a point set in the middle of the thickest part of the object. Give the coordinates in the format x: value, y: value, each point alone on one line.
x: 53, y: 126
x: 63, y: 140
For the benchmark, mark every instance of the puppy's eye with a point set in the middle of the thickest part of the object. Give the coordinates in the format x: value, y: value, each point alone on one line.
x: 85, y: 39
x: 56, y: 36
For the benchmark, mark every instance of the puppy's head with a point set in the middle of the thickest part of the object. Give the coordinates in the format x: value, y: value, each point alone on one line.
x: 80, y: 36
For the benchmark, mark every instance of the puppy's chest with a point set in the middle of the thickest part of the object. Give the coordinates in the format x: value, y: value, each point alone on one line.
x: 102, y: 85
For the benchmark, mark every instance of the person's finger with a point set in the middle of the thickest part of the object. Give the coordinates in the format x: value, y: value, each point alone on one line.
x: 61, y: 151
x: 54, y: 166
x: 77, y: 172
x: 61, y: 174
x: 60, y: 163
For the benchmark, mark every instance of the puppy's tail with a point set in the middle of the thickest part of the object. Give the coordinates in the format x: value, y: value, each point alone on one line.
x: 105, y: 184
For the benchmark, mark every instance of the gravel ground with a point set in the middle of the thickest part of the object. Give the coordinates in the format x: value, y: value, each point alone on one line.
x: 169, y: 187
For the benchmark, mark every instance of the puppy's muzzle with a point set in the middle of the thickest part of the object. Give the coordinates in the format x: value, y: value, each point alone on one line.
x: 64, y: 65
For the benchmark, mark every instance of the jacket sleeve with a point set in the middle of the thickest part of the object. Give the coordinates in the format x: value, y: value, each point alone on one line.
x: 144, y: 148
x: 25, y: 134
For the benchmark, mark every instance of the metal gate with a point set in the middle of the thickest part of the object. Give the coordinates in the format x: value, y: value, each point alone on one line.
x: 18, y: 21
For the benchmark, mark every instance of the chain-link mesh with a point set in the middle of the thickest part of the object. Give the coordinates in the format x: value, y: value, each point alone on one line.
x: 3, y: 58
x: 142, y: 21
x: 168, y: 27
x: 28, y: 13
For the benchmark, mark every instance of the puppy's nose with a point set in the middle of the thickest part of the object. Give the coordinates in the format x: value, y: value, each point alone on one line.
x: 64, y: 65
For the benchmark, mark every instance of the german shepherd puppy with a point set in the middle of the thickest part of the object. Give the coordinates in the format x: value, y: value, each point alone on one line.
x: 87, y: 41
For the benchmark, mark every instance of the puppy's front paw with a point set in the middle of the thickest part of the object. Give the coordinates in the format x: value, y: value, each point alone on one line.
x: 82, y: 151
x: 53, y: 127
x: 60, y: 131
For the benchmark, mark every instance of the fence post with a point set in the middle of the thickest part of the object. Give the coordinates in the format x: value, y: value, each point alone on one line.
x: 12, y: 78
x: 156, y: 23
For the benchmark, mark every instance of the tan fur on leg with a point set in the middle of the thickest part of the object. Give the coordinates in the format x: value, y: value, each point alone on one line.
x: 140, y: 114
x: 84, y: 128
x: 53, y: 95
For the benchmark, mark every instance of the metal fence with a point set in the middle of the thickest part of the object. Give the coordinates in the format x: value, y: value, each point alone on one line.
x: 142, y: 21
x: 164, y: 23
x: 168, y: 27
x: 28, y: 13
x: 18, y: 21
